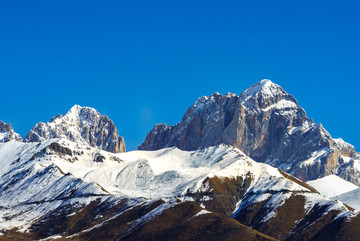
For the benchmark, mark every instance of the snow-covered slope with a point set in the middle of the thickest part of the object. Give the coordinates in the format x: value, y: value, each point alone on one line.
x: 40, y: 181
x: 7, y: 133
x: 332, y: 185
x: 82, y: 125
x: 151, y: 174
x: 351, y: 198
x: 32, y: 185
x: 171, y: 172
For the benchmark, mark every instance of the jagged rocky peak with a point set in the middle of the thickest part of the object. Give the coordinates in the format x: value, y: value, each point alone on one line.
x: 265, y: 95
x: 80, y: 124
x: 265, y: 122
x: 242, y: 121
x: 265, y: 88
x: 7, y: 133
x: 345, y: 148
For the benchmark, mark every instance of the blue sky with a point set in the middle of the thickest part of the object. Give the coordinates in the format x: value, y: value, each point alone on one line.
x: 146, y: 62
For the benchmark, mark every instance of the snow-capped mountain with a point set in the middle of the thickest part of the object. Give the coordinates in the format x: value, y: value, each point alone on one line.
x: 82, y: 125
x: 266, y: 123
x: 219, y: 174
x: 7, y: 133
x: 61, y: 189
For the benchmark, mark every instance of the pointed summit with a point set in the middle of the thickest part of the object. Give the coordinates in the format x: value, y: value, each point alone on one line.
x: 76, y: 109
x: 80, y: 124
x: 266, y: 95
x: 231, y: 119
x: 264, y: 89
x: 7, y: 133
x: 87, y: 115
x: 264, y: 84
x: 264, y: 122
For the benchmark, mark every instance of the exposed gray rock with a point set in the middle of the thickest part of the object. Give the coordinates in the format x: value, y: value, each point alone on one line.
x: 264, y: 122
x: 345, y: 148
x: 7, y: 133
x: 80, y: 124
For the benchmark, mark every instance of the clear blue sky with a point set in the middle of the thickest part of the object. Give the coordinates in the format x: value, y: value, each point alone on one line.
x: 145, y: 62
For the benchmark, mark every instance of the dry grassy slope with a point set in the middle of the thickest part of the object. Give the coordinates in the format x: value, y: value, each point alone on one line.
x: 69, y: 222
x: 224, y: 194
x: 179, y: 223
x: 341, y: 229
x: 4, y: 239
x: 291, y: 220
x: 176, y: 223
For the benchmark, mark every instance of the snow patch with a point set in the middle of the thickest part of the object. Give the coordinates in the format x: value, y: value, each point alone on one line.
x: 281, y: 105
x: 351, y: 198
x: 305, y: 127
x: 332, y: 185
x: 202, y: 212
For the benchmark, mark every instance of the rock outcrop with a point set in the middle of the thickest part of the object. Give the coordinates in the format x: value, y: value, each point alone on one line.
x: 83, y: 125
x: 266, y: 123
x: 7, y: 133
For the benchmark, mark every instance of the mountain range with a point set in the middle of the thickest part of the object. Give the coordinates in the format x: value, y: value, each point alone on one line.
x: 236, y: 167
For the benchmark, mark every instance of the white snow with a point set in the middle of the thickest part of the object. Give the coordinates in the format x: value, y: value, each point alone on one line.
x: 149, y: 174
x: 267, y: 87
x: 332, y: 185
x: 52, y: 237
x: 306, y: 126
x: 313, y: 200
x: 202, y: 212
x: 315, y: 156
x: 169, y: 172
x: 275, y: 202
x: 152, y: 214
x: 282, y: 104
x: 37, y: 180
x: 351, y: 198
x: 5, y: 136
x: 342, y: 144
x: 346, y: 159
x: 357, y: 165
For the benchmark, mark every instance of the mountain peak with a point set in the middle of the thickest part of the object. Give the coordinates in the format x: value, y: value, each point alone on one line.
x: 266, y: 81
x: 74, y: 109
x: 7, y: 133
x: 77, y: 111
x: 80, y: 124
x: 266, y: 88
x: 78, y: 108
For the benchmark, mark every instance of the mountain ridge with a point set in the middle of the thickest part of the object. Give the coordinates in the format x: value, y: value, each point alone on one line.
x: 266, y: 123
x: 81, y: 124
x: 7, y: 133
x: 65, y: 181
x: 50, y: 182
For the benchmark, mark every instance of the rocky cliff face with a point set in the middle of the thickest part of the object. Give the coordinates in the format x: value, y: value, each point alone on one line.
x: 264, y: 122
x: 83, y: 125
x: 7, y: 133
